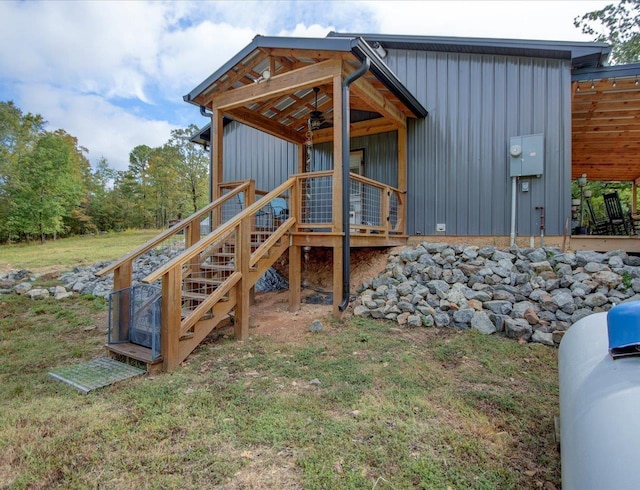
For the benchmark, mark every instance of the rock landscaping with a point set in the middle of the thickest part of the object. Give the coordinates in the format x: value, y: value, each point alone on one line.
x: 531, y: 294
x: 83, y: 280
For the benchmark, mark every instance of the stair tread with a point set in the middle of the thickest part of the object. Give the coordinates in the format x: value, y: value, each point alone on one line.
x: 220, y: 267
x: 205, y: 280
x: 134, y: 351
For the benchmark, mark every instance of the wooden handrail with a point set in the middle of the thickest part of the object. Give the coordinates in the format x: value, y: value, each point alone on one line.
x: 171, y: 231
x: 374, y: 183
x: 312, y: 175
x: 219, y: 233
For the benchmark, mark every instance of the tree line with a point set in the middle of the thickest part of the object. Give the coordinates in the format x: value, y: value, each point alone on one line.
x: 48, y: 188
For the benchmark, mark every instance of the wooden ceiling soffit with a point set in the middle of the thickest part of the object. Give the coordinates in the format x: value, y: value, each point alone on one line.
x: 288, y: 82
x: 242, y: 72
x: 378, y: 103
x: 360, y: 128
x: 268, y: 125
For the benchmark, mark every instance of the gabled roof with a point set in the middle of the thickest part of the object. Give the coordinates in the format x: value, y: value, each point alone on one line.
x: 581, y: 54
x: 355, y: 45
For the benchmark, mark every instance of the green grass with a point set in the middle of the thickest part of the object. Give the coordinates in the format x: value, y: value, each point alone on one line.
x: 65, y: 253
x: 424, y: 408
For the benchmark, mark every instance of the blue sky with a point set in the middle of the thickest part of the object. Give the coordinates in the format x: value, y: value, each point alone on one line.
x: 113, y: 73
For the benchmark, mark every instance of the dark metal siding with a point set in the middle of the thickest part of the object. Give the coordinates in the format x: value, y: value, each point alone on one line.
x: 252, y: 154
x: 457, y: 156
x: 380, y: 156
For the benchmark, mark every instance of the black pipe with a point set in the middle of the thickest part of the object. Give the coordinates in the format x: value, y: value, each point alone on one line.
x: 203, y: 112
x: 346, y: 150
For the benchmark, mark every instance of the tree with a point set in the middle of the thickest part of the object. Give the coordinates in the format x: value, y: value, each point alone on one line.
x: 193, y: 164
x: 47, y: 186
x: 617, y: 24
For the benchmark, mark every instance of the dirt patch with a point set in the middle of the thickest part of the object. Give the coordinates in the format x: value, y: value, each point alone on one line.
x: 270, y: 313
x: 270, y: 316
x: 317, y: 266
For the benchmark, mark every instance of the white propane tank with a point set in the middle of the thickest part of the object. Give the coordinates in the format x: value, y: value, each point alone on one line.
x: 599, y: 411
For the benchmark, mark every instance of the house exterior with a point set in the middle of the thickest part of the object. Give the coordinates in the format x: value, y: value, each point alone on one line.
x: 479, y: 93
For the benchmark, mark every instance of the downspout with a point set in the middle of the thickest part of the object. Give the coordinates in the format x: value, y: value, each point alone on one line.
x: 203, y: 112
x: 346, y: 150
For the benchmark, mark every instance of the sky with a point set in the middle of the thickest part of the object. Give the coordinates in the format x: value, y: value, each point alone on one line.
x: 113, y: 73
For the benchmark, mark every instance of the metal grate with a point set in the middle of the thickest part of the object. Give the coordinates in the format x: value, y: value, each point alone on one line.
x: 317, y: 200
x: 393, y: 210
x: 365, y: 204
x: 135, y: 315
x: 95, y: 374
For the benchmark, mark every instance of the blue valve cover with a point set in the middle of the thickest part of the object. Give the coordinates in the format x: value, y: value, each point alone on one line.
x: 623, y: 327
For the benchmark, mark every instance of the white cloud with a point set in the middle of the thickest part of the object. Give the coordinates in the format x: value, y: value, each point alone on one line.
x: 192, y: 54
x: 546, y: 20
x: 105, y: 129
x: 302, y: 30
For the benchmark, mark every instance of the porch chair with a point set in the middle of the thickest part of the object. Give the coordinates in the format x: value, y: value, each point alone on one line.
x: 599, y: 226
x: 617, y: 219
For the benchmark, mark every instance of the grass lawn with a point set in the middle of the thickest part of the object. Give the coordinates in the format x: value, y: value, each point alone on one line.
x: 66, y: 253
x: 388, y: 408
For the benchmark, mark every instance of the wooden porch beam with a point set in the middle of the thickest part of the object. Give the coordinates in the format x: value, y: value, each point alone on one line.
x: 266, y: 124
x: 361, y: 128
x: 288, y: 82
x: 378, y: 103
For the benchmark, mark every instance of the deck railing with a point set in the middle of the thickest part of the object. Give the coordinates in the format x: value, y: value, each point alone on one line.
x: 215, y: 275
x: 375, y: 208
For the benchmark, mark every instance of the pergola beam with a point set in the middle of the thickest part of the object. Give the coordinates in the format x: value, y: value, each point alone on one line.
x: 288, y: 82
x: 266, y: 124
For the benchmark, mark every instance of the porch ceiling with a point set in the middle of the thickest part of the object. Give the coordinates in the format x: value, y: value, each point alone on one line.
x: 286, y: 93
x: 606, y: 124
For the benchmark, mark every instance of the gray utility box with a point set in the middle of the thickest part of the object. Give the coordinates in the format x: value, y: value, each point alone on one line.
x: 526, y: 155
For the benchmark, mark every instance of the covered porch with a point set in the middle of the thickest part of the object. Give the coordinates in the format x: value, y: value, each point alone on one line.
x: 606, y: 148
x: 309, y: 92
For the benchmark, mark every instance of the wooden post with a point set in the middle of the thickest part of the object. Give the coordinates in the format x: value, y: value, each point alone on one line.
x: 216, y: 172
x: 295, y: 256
x: 634, y: 197
x: 337, y: 192
x: 121, y: 314
x: 337, y: 155
x: 250, y: 198
x: 171, y: 317
x: 295, y: 272
x: 337, y: 277
x: 402, y: 174
x: 243, y: 254
x: 301, y: 159
x: 385, y: 211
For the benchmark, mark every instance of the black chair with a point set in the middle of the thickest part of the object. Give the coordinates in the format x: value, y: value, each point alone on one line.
x: 599, y: 226
x: 617, y: 219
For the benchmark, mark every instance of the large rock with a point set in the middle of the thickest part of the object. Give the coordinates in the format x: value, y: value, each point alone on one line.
x: 482, y: 323
x: 518, y: 328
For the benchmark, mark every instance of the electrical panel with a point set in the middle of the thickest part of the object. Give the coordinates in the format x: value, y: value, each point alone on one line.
x: 526, y: 154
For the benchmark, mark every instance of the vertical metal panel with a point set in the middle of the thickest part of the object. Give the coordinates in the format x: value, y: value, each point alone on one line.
x: 380, y: 156
x: 457, y: 157
x: 252, y: 154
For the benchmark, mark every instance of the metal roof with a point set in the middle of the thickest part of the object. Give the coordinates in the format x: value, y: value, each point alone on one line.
x: 355, y: 45
x: 581, y: 54
x: 616, y: 71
